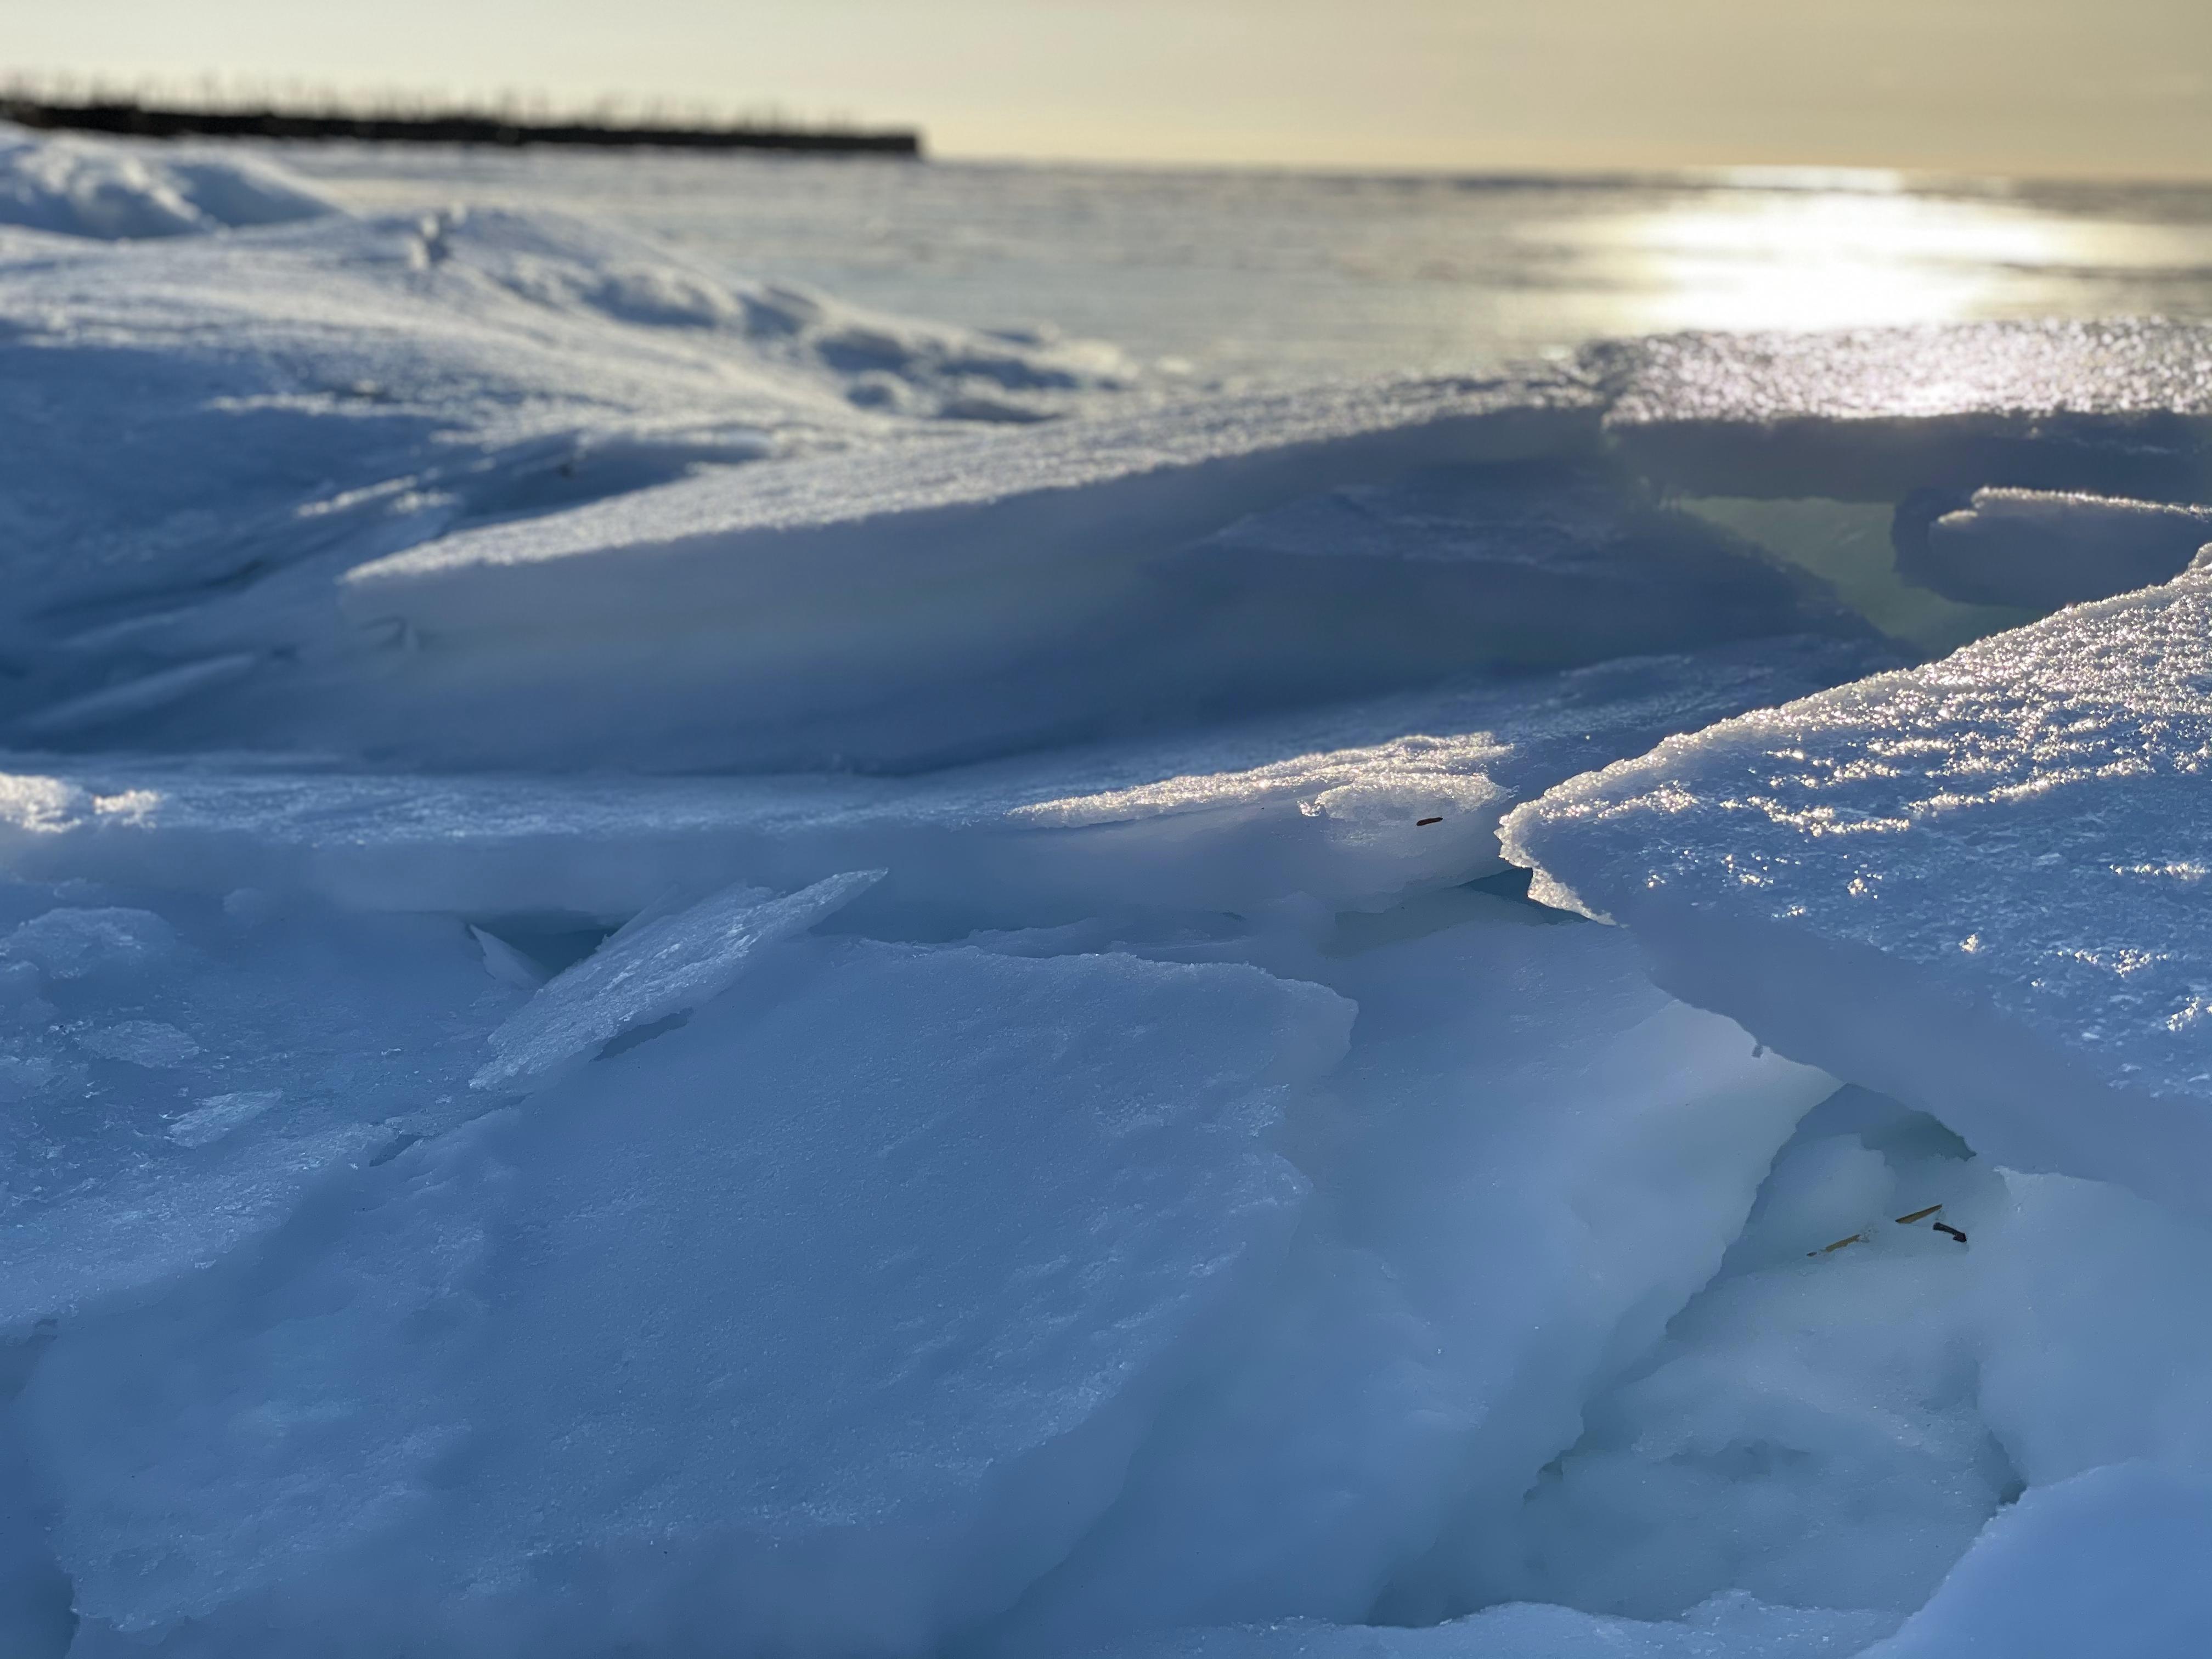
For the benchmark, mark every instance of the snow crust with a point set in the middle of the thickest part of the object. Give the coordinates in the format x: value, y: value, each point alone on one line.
x: 688, y: 971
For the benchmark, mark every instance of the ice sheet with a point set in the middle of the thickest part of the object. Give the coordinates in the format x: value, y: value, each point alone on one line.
x: 2120, y: 407
x: 822, y: 1323
x: 2043, y: 548
x: 2112, y: 1562
x: 176, y: 1081
x: 1736, y: 1627
x: 1531, y: 1161
x: 1972, y: 886
x: 1330, y: 804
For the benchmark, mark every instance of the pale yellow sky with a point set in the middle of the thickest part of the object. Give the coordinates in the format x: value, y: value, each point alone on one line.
x: 2040, y: 86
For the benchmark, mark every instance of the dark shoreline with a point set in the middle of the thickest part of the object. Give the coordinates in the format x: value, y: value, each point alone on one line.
x: 136, y: 120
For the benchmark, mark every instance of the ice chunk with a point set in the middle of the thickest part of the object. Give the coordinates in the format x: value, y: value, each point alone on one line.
x: 1533, y: 1162
x: 2038, y: 548
x: 1974, y: 886
x: 152, y: 1043
x: 2112, y: 1563
x: 1013, y: 594
x: 218, y: 1115
x: 75, y: 188
x: 134, y: 1148
x: 821, y: 1324
x: 654, y: 969
x: 1528, y: 565
x: 1339, y: 804
x: 2116, y: 408
x: 1808, y: 1431
x: 1730, y: 1627
x: 2085, y: 1365
x: 77, y: 942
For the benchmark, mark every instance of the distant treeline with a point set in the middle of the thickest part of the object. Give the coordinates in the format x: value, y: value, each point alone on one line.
x: 132, y: 118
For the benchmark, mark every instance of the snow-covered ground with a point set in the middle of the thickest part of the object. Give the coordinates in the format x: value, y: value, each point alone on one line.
x: 693, y: 966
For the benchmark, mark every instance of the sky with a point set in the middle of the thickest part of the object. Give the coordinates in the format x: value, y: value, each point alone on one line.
x: 2050, y: 87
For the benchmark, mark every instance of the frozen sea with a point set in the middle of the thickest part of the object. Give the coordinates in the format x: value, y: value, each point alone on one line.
x: 790, y: 909
x: 1256, y: 274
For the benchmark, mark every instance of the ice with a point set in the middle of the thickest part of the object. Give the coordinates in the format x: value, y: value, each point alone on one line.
x: 686, y: 969
x: 72, y: 187
x: 2112, y: 1562
x: 2083, y: 1367
x: 1735, y: 1627
x: 1527, y: 565
x: 1014, y: 589
x: 822, y: 1323
x: 1810, y: 1429
x: 1972, y: 886
x: 176, y: 1081
x: 209, y: 430
x: 655, y: 969
x: 218, y: 1115
x: 1533, y: 1161
x: 2120, y: 407
x: 1329, y: 803
x: 2045, y: 549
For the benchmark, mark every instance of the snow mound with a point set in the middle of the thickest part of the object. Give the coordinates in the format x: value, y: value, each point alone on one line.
x: 902, y: 1333
x: 2119, y: 408
x: 1972, y: 886
x: 71, y: 187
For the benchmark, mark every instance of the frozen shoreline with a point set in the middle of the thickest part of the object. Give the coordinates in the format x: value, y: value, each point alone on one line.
x: 693, y: 970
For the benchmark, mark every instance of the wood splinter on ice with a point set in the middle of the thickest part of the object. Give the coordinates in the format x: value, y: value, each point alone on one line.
x: 1902, y: 1221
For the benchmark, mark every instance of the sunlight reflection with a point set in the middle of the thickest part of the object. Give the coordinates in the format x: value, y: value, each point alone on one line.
x: 1804, y: 258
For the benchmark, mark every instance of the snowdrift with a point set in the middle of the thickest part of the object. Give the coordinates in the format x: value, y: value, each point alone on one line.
x: 69, y: 187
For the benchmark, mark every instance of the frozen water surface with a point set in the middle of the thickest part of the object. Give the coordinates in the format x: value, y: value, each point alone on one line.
x: 691, y: 967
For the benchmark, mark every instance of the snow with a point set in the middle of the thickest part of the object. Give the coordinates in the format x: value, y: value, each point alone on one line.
x: 71, y: 187
x: 1971, y: 885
